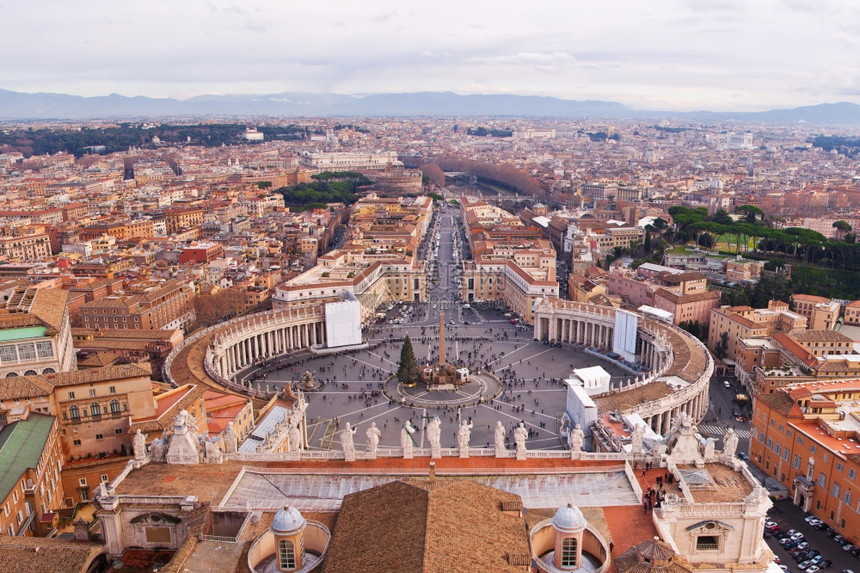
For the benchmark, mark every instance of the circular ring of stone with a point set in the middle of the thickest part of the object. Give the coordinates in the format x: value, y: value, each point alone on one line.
x: 481, y: 388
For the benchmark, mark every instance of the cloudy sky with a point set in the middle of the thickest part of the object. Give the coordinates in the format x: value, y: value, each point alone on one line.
x: 648, y: 54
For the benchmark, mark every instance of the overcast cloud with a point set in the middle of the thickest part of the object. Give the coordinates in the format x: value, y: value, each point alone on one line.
x: 648, y: 54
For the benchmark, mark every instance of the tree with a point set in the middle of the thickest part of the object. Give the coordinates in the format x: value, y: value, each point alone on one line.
x: 722, y: 347
x: 771, y: 286
x: 842, y: 227
x: 750, y: 212
x: 264, y: 184
x: 407, y: 371
x: 647, y: 244
x: 722, y: 217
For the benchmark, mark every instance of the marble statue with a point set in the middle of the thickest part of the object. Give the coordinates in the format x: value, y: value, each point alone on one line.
x: 434, y: 436
x: 577, y: 436
x: 211, y: 451
x: 295, y: 439
x: 730, y: 444
x: 710, y: 446
x: 636, y: 438
x: 158, y: 450
x: 373, y: 435
x: 464, y: 435
x: 520, y: 436
x: 231, y: 440
x: 346, y: 442
x: 407, y: 442
x: 500, y: 439
x: 140, y: 445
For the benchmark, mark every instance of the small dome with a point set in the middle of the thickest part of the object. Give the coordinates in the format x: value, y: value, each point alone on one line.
x: 568, y: 519
x: 288, y: 520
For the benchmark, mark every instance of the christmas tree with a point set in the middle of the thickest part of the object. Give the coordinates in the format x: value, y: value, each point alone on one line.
x: 407, y: 372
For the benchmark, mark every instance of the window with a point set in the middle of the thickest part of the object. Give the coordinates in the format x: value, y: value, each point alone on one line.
x: 852, y: 473
x: 812, y: 449
x: 839, y: 467
x: 74, y: 414
x: 800, y: 440
x: 286, y: 554
x: 76, y: 442
x: 7, y: 353
x: 112, y: 390
x: 796, y: 462
x: 822, y: 480
x: 26, y: 351
x: 82, y: 482
x: 568, y: 552
x: 118, y: 431
x: 100, y: 436
x: 95, y: 411
x: 706, y: 543
x: 71, y: 395
x: 92, y: 392
x: 104, y: 478
x: 847, y: 498
x: 44, y: 349
x: 836, y: 489
x: 114, y: 406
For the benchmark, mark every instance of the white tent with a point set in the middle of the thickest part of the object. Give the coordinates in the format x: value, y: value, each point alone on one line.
x: 594, y: 379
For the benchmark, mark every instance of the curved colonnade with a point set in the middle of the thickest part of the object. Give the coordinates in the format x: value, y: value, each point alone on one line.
x: 679, y: 365
x: 213, y: 356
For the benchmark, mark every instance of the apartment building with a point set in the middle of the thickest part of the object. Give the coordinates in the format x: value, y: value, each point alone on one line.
x: 30, y: 481
x: 741, y: 322
x: 179, y: 219
x: 29, y: 248
x: 806, y: 438
x: 95, y: 407
x: 821, y: 313
x: 36, y: 332
x: 158, y: 306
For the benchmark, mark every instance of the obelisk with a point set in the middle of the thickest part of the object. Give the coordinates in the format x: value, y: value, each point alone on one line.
x: 441, y: 339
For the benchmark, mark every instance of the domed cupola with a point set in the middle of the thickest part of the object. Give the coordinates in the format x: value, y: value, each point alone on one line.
x: 288, y: 521
x: 568, y: 520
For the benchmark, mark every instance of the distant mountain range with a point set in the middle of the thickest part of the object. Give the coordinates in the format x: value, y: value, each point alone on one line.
x: 42, y: 106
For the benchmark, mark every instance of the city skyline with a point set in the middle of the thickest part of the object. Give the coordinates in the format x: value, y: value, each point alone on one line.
x: 665, y: 55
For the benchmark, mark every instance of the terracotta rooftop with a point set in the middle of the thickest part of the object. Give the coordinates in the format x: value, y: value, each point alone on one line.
x: 46, y: 555
x: 423, y: 526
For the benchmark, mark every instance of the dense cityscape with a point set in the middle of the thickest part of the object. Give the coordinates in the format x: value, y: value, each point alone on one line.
x: 592, y: 344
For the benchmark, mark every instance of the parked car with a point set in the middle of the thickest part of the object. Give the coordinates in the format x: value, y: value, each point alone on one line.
x: 810, y: 518
x: 812, y: 569
x: 814, y: 553
x: 826, y: 564
x: 847, y: 547
x: 797, y: 537
x: 803, y: 545
x: 803, y: 565
x: 816, y: 559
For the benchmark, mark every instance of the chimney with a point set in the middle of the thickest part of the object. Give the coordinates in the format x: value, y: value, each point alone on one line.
x: 432, y: 472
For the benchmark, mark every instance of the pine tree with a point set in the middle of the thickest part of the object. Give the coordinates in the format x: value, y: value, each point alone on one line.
x: 407, y: 372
